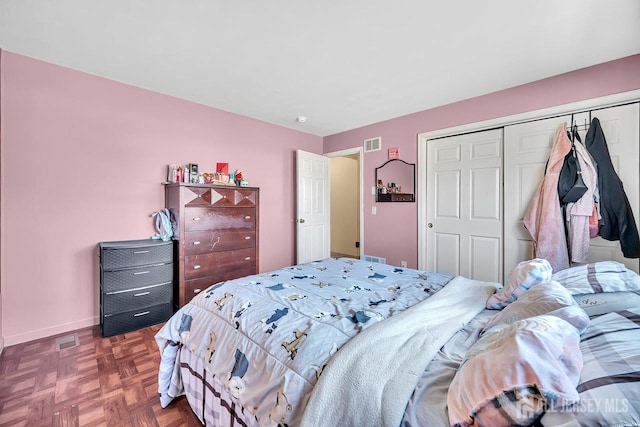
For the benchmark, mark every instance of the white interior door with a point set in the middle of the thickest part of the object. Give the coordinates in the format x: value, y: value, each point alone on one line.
x: 464, y: 205
x: 312, y: 207
x: 526, y: 150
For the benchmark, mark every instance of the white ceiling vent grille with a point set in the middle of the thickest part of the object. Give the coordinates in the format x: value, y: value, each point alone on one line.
x: 373, y: 144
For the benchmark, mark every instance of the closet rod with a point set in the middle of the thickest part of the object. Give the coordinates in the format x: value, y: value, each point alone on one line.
x: 590, y: 111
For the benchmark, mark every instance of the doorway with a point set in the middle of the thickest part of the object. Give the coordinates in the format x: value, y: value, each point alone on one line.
x: 345, y: 189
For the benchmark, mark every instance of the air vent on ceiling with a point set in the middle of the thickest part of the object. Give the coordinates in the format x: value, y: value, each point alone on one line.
x: 372, y: 144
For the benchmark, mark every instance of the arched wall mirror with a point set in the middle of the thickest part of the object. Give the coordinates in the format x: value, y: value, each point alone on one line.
x: 395, y: 181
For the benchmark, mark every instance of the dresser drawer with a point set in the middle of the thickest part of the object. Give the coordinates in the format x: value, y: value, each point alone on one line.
x: 198, y: 219
x: 127, y: 321
x: 200, y: 242
x: 115, y: 302
x: 195, y: 286
x: 229, y: 196
x: 218, y: 263
x: 122, y: 280
x: 134, y: 253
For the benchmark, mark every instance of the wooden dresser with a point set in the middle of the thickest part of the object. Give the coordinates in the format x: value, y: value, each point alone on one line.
x: 216, y: 235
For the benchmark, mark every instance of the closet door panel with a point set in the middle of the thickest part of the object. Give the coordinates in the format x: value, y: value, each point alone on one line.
x: 483, y: 248
x: 526, y: 150
x: 447, y: 258
x: 464, y: 205
x: 621, y: 127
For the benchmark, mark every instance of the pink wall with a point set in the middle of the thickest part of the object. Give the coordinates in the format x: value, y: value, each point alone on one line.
x: 392, y: 233
x: 83, y: 158
x: 82, y: 162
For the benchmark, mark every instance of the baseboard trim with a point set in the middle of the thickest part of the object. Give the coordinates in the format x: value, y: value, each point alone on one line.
x: 50, y: 331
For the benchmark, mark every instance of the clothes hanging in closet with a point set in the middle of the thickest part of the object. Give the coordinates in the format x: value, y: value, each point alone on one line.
x: 617, y: 221
x: 571, y: 187
x: 577, y: 213
x: 543, y: 217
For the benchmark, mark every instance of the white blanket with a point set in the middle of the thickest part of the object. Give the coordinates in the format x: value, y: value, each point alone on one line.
x: 369, y: 381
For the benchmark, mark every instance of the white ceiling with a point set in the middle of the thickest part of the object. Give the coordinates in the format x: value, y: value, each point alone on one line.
x: 342, y: 63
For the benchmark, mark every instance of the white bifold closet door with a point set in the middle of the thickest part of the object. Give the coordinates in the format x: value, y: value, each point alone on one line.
x: 526, y: 150
x: 464, y: 205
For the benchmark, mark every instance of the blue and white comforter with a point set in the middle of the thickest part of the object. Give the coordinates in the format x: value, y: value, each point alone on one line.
x: 266, y: 338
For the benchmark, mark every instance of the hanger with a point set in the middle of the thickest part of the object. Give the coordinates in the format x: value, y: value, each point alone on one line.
x: 573, y: 133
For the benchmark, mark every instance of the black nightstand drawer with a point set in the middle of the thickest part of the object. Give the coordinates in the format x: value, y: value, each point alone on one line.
x: 132, y: 253
x: 115, y: 302
x: 135, y: 319
x: 133, y: 278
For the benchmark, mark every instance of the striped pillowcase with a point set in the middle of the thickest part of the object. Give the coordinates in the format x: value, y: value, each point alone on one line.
x: 598, y: 277
x: 523, y: 276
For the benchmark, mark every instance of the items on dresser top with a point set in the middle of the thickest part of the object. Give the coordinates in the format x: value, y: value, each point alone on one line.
x: 136, y: 284
x: 191, y: 174
x: 216, y: 228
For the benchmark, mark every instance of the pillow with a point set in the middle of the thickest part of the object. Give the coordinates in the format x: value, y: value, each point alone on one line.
x: 523, y: 276
x: 510, y: 376
x: 544, y: 298
x: 598, y: 277
x: 597, y: 304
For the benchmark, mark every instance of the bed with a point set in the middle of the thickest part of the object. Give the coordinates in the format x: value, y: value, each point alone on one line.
x: 341, y: 341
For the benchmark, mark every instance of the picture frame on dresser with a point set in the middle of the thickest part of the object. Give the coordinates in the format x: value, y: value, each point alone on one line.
x: 136, y: 284
x: 216, y: 235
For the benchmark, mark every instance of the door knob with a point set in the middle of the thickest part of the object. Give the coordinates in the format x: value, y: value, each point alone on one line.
x: 430, y: 225
x: 301, y: 221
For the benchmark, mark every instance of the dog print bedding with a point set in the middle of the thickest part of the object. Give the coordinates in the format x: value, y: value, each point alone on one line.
x: 256, y: 346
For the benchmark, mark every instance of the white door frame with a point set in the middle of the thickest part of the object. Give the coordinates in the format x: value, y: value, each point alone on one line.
x: 424, y: 137
x: 348, y: 152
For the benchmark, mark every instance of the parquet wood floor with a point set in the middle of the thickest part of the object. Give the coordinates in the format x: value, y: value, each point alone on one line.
x: 102, y: 382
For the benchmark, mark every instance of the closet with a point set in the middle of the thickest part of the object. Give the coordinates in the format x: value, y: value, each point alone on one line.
x: 460, y: 212
x: 526, y: 151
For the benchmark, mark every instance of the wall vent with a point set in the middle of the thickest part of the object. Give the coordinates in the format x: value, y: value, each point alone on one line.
x: 372, y: 144
x: 377, y: 259
x: 67, y: 341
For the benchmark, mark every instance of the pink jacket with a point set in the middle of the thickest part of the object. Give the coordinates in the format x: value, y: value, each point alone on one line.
x: 543, y: 218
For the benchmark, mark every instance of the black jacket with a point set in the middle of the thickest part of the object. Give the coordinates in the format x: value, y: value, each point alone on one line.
x: 617, y: 221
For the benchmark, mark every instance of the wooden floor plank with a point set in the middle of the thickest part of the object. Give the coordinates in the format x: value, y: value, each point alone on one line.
x: 101, y: 382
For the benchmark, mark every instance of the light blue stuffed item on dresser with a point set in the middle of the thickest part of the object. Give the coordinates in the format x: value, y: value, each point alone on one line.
x: 163, y: 225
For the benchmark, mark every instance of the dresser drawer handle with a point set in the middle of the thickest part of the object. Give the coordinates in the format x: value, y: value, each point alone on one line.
x: 247, y: 217
x: 137, y: 273
x: 196, y: 219
x: 144, y: 313
x: 197, y: 291
x: 247, y: 238
x: 141, y: 294
x: 247, y: 258
x: 141, y: 252
x: 196, y: 267
x: 196, y: 243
